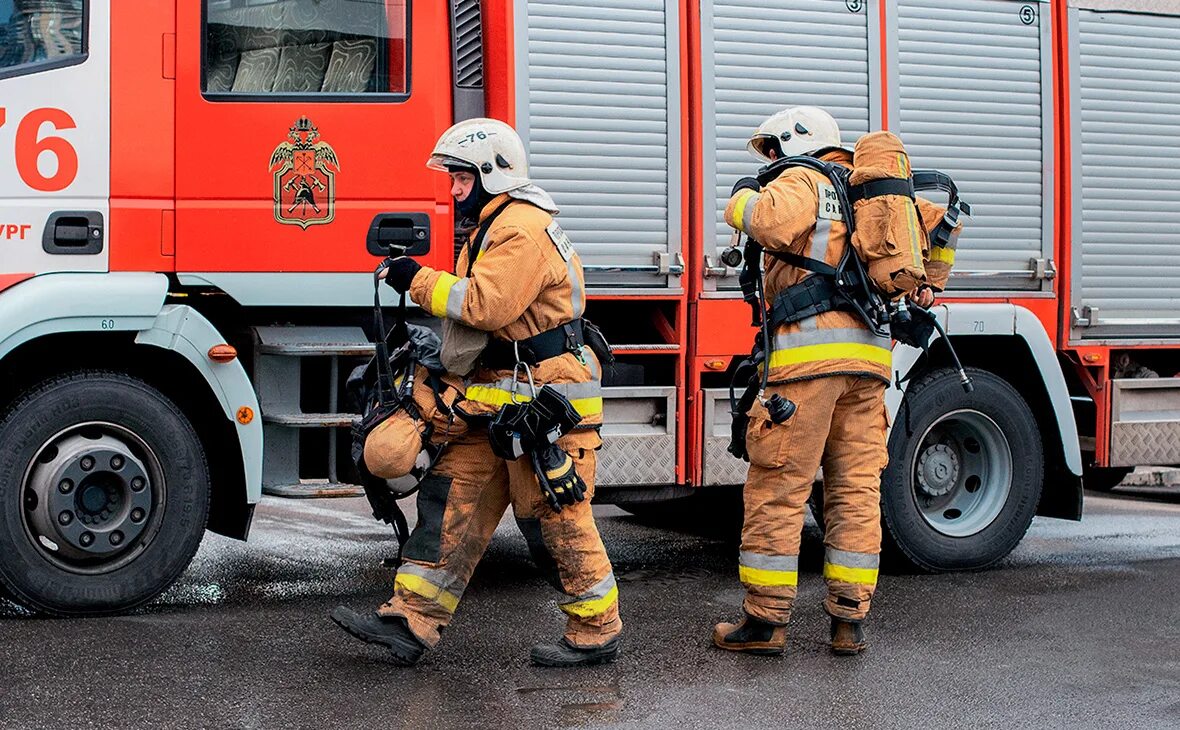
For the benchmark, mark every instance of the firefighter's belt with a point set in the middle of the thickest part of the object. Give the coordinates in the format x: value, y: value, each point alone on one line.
x: 502, y: 354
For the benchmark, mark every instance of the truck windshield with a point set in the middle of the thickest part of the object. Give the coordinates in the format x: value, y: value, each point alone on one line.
x: 37, y: 34
x: 297, y: 47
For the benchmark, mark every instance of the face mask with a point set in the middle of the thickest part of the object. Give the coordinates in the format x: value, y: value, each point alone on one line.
x: 470, y: 206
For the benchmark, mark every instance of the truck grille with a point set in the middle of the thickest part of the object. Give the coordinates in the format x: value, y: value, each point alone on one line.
x: 468, y: 46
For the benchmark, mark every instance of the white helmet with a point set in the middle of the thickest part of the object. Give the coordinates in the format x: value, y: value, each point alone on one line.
x: 491, y: 147
x: 799, y: 130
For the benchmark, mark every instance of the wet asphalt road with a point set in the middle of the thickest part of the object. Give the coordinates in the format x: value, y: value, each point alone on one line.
x: 1078, y: 628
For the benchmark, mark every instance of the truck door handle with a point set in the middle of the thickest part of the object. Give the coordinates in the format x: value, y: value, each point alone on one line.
x: 407, y: 233
x: 73, y: 232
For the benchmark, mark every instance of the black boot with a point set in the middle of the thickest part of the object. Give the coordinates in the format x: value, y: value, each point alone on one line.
x: 565, y: 654
x: 848, y: 637
x: 393, y: 633
x: 752, y: 636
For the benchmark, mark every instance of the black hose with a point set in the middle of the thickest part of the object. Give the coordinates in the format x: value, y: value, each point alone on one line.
x: 964, y: 380
x: 765, y: 324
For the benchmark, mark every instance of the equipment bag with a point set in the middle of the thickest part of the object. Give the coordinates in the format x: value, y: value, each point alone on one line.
x: 410, y: 409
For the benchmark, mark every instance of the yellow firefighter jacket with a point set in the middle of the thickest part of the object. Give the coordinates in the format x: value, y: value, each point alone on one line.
x: 796, y: 213
x: 524, y: 282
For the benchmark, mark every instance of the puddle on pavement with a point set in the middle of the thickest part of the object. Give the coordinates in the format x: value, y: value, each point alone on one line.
x: 8, y: 609
x: 209, y: 594
x: 612, y: 700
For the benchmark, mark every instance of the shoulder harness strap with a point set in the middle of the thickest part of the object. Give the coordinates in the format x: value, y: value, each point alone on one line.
x: 477, y: 240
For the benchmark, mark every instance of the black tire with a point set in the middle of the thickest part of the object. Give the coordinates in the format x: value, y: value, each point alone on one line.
x: 937, y: 416
x: 74, y: 411
x: 1104, y: 478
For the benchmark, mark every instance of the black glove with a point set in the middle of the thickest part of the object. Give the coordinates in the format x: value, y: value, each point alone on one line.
x: 400, y: 272
x: 557, y: 476
x: 746, y: 183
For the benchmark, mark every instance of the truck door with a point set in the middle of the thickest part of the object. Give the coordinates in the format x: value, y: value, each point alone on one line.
x: 54, y: 136
x: 298, y: 122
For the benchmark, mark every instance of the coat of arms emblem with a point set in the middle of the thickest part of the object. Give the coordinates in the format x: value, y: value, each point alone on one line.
x: 304, y: 170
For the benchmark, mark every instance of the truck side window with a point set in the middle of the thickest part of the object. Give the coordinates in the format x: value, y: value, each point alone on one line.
x: 305, y: 48
x: 40, y: 34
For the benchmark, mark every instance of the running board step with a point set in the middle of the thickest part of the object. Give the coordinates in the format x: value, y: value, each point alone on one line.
x: 310, y: 420
x: 299, y: 376
x: 313, y: 490
x: 321, y: 341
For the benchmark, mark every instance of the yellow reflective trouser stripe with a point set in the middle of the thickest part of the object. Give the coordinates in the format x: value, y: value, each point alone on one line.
x: 418, y: 584
x: 943, y: 254
x: 739, y: 210
x: 844, y: 574
x: 833, y: 351
x: 593, y: 606
x: 500, y: 397
x: 438, y: 297
x: 764, y: 577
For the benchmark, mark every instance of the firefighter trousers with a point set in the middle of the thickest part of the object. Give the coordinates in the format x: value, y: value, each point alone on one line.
x: 841, y: 423
x: 459, y: 505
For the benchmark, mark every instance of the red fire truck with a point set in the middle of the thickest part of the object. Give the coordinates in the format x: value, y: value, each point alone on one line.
x: 194, y: 195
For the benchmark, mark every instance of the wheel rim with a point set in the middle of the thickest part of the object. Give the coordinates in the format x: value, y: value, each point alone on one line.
x: 93, y: 497
x: 961, y: 474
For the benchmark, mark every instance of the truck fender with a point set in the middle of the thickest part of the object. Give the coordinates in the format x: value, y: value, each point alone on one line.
x: 970, y: 319
x: 52, y: 303
x: 134, y: 302
x: 185, y: 331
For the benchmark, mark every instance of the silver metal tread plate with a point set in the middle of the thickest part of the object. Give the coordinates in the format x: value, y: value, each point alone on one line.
x: 1145, y: 442
x: 636, y: 460
x: 720, y: 466
x: 1145, y: 421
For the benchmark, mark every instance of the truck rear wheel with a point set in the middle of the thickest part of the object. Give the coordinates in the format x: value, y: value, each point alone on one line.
x: 104, y: 495
x: 965, y: 472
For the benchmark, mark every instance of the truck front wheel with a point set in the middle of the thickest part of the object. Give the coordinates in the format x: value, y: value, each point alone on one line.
x: 965, y: 472
x: 104, y: 495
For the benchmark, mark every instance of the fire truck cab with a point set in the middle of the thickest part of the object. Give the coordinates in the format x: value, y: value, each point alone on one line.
x: 196, y: 194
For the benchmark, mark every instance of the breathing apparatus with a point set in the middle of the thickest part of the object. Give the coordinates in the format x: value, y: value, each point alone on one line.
x: 845, y: 286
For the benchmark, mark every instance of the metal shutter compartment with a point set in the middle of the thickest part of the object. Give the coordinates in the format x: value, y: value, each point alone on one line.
x: 761, y: 56
x: 973, y: 98
x: 1127, y: 194
x: 593, y: 107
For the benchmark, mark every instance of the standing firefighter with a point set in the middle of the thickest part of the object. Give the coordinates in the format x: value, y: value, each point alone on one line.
x: 823, y: 401
x: 536, y: 382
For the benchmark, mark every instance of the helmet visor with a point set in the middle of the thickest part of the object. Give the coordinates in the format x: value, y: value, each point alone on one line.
x: 762, y: 144
x: 446, y: 163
